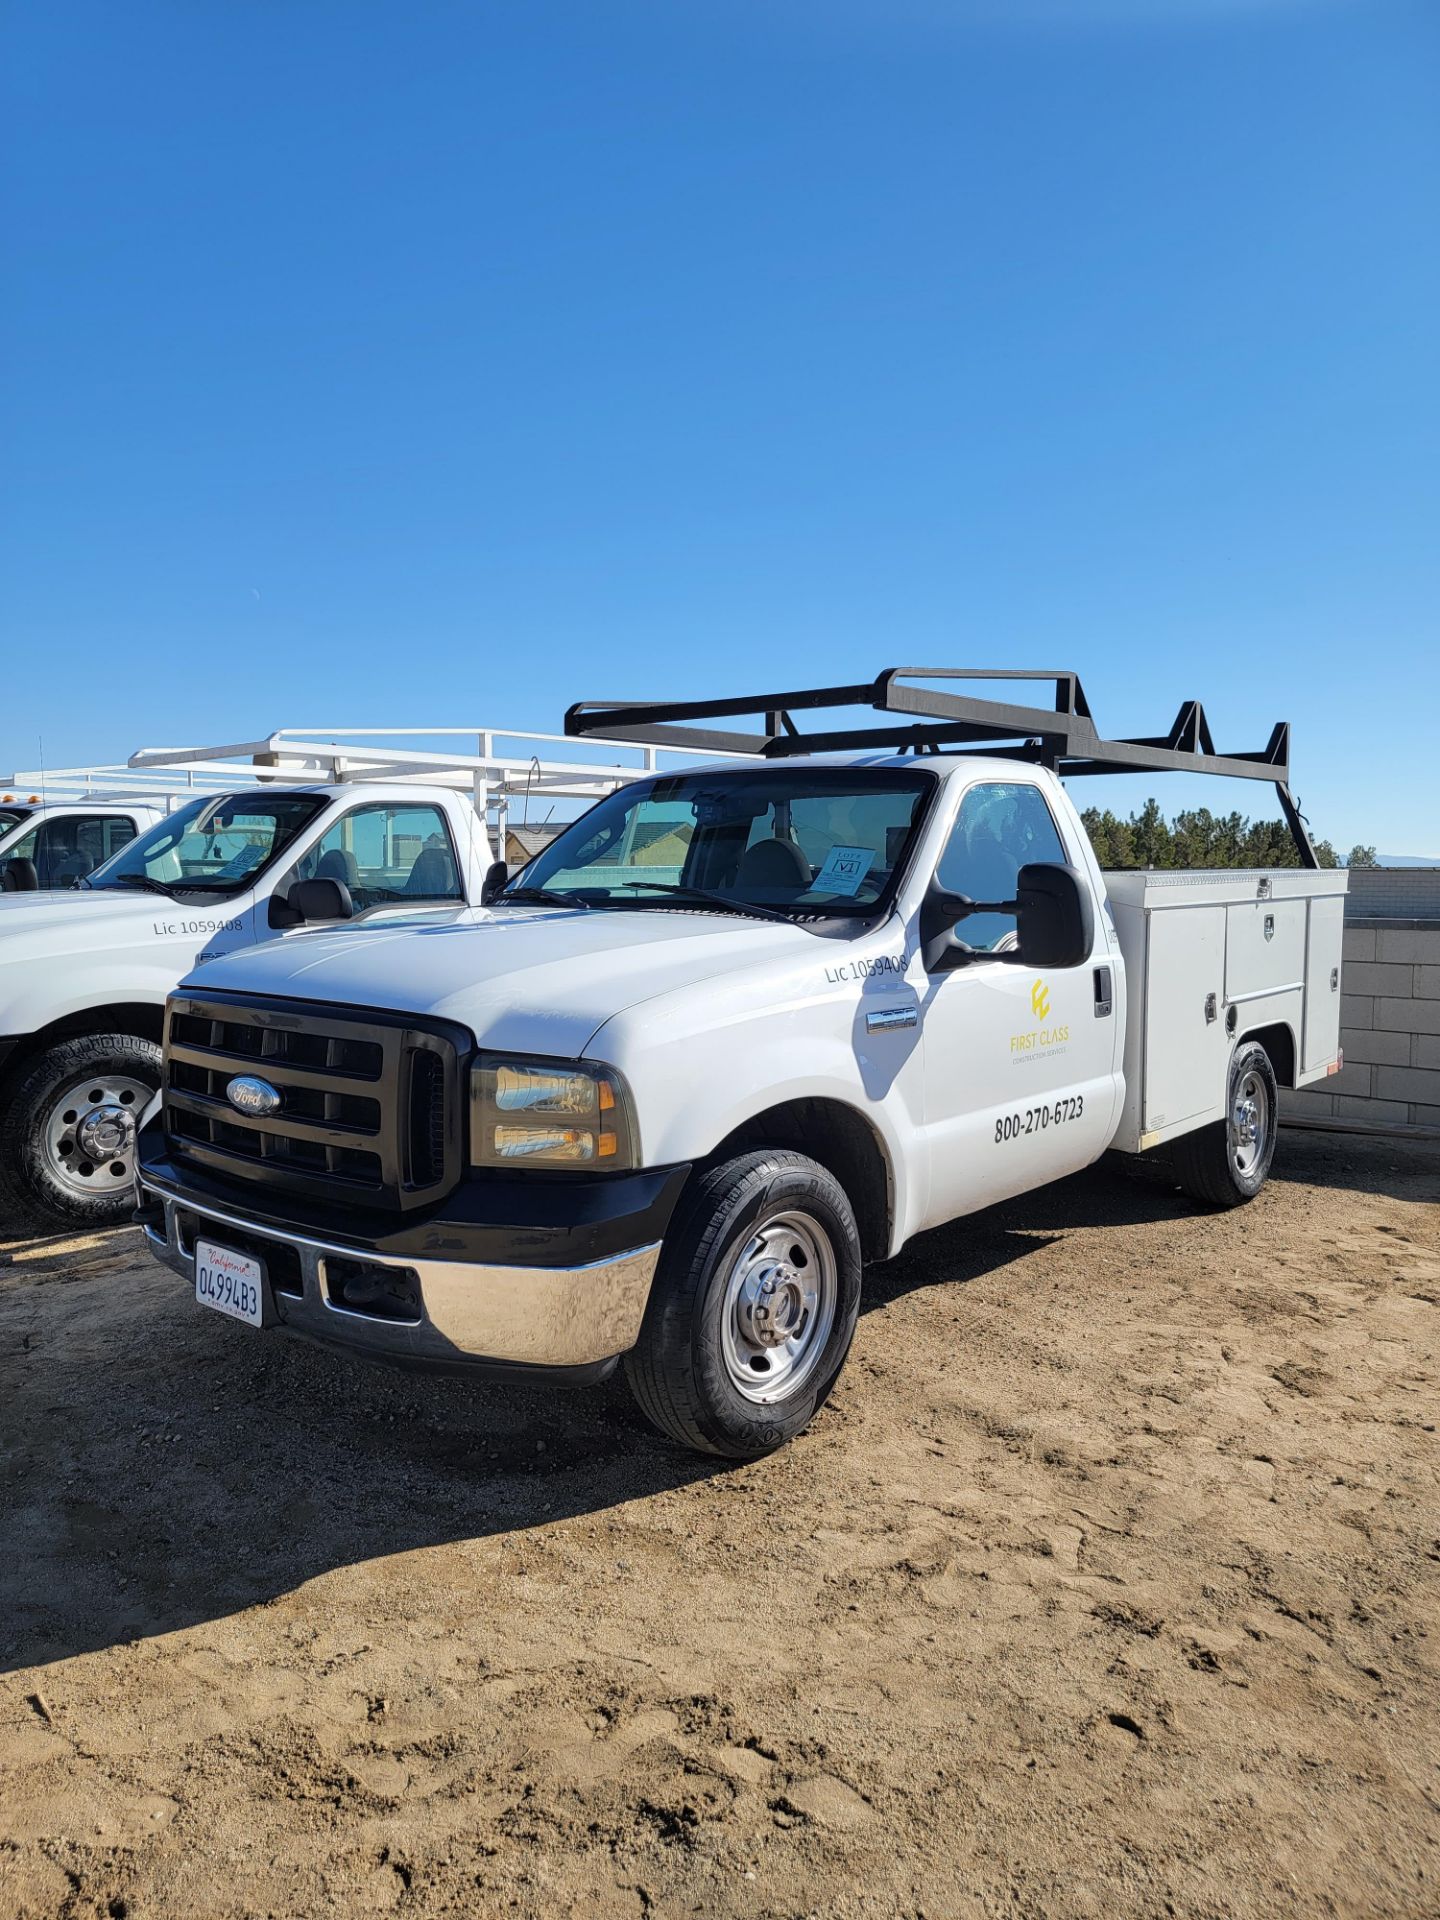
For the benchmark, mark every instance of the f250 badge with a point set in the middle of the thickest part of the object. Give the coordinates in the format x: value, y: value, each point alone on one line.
x: 1041, y: 1038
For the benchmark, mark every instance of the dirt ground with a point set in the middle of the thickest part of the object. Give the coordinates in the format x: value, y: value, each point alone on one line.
x: 1108, y: 1584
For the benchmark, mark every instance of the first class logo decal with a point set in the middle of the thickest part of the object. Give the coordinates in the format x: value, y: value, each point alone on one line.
x: 1046, y: 1036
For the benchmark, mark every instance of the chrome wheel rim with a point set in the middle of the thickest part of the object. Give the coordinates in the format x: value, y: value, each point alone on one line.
x: 90, y: 1134
x: 780, y: 1299
x: 1249, y: 1124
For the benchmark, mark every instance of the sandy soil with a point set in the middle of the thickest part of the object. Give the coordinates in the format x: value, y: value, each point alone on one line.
x: 1108, y: 1584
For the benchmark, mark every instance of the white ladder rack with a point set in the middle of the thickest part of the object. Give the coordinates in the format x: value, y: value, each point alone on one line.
x: 495, y: 764
x: 171, y: 785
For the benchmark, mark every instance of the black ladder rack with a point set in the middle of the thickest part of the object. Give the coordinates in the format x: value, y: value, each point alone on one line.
x: 924, y: 719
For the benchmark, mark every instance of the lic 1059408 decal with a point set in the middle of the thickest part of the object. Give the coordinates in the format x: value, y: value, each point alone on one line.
x: 1010, y: 1126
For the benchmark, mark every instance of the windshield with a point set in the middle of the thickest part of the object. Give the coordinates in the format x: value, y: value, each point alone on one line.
x: 220, y: 845
x: 799, y: 841
x: 11, y: 817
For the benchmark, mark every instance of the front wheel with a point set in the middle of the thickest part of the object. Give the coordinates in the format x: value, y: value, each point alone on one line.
x: 753, y: 1308
x: 1227, y: 1163
x: 67, y: 1131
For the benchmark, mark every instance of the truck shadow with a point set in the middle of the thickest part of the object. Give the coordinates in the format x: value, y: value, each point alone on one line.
x: 171, y: 1470
x: 159, y: 1468
x: 1102, y: 1196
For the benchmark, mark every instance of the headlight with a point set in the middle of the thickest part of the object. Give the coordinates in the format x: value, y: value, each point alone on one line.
x: 549, y: 1113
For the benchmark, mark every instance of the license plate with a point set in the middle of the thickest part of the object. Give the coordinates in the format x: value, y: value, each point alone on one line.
x: 232, y: 1283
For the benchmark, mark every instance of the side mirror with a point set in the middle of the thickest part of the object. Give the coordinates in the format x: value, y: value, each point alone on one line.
x: 321, y: 900
x: 1054, y: 921
x: 940, y: 946
x: 493, y: 885
x: 20, y: 876
x: 1055, y: 917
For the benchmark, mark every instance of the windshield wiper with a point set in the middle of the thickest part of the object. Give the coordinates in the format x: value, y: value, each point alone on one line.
x: 140, y: 880
x: 542, y: 897
x: 415, y: 899
x: 706, y: 897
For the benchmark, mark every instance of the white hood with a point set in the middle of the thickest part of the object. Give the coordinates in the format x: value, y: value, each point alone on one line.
x: 56, y: 921
x: 527, y: 980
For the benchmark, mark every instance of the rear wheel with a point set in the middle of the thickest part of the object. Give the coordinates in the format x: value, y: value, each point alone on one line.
x: 67, y: 1131
x: 753, y: 1308
x: 1227, y: 1163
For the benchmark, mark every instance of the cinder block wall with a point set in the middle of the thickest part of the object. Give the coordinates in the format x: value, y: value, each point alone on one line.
x: 1389, y: 1006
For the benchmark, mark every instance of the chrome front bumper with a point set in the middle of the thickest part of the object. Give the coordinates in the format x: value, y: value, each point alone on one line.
x: 561, y: 1317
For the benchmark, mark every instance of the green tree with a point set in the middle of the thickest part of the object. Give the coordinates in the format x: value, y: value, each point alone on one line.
x: 1153, y: 841
x: 1200, y: 839
x: 1361, y: 857
x: 1111, y: 838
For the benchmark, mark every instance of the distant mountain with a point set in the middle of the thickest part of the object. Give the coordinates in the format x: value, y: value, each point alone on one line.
x: 1408, y: 859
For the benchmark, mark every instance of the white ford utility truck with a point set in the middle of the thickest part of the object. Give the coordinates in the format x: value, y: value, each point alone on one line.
x: 55, y: 843
x: 58, y: 825
x: 286, y: 833
x: 737, y: 1031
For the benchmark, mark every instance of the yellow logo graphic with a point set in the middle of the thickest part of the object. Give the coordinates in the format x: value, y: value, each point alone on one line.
x: 1041, y: 1039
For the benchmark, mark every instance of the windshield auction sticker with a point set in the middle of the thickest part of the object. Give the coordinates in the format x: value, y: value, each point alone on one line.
x: 844, y: 869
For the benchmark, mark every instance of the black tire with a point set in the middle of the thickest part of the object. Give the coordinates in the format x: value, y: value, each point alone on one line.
x: 1208, y: 1163
x: 678, y: 1371
x: 33, y: 1194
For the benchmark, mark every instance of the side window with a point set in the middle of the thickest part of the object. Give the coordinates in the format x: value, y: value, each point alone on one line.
x: 387, y: 852
x: 24, y: 849
x: 999, y: 829
x: 97, y: 839
x: 66, y: 849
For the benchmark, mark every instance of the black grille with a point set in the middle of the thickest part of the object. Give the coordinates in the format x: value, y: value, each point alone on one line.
x: 369, y: 1107
x: 427, y: 1118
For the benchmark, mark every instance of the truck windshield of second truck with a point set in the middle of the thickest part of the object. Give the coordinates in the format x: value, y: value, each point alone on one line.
x: 212, y: 846
x: 795, y: 841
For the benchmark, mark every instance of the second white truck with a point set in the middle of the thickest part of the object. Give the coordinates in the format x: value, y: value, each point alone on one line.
x: 736, y: 1032
x: 306, y: 832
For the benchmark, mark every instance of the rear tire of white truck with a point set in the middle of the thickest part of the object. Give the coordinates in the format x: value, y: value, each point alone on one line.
x: 1227, y: 1163
x: 753, y: 1308
x: 67, y: 1132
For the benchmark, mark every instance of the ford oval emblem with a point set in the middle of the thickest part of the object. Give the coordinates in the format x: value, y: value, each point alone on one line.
x: 249, y: 1094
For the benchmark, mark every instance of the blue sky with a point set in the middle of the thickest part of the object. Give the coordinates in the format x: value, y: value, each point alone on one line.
x: 442, y: 363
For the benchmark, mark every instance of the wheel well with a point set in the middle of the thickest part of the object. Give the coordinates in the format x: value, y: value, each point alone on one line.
x: 1279, y: 1042
x: 843, y: 1142
x: 137, y: 1017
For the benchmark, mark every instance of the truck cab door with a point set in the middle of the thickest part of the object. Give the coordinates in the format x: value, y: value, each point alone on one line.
x: 1019, y: 1064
